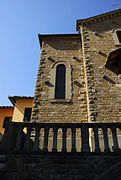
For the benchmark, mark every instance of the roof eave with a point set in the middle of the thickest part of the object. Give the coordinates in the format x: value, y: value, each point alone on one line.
x: 14, y: 98
x: 40, y: 36
x: 6, y: 107
x: 98, y: 18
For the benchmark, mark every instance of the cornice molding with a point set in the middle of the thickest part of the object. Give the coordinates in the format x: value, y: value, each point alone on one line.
x: 98, y: 18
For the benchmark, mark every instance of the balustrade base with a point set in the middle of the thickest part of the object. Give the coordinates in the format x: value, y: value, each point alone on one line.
x: 116, y: 149
x: 54, y: 150
x: 97, y: 150
x: 73, y: 150
x: 107, y: 150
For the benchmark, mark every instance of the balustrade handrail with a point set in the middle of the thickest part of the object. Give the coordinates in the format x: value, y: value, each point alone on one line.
x: 66, y: 125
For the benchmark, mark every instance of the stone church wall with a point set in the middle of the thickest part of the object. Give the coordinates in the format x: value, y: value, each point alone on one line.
x: 104, y: 86
x: 55, y: 49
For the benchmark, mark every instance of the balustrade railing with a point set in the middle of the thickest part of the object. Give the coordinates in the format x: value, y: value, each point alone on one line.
x: 28, y: 136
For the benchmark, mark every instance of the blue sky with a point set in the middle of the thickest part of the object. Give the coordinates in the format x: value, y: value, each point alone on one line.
x: 20, y: 23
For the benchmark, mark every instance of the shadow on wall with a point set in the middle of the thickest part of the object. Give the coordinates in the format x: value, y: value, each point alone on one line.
x: 108, y: 79
x: 105, y: 25
x: 65, y: 43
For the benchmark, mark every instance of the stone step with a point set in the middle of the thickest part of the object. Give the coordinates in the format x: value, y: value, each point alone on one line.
x: 58, y: 166
x: 3, y: 162
x: 32, y: 176
x: 3, y: 158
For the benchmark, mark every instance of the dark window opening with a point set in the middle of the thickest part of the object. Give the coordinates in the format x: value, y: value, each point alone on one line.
x: 119, y: 63
x: 114, y: 61
x: 6, y: 120
x: 60, y: 82
x: 0, y: 137
x: 119, y: 35
x: 27, y: 114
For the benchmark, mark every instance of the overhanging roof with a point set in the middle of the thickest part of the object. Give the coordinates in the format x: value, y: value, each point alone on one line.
x: 44, y: 36
x: 6, y: 107
x: 98, y: 18
x: 14, y: 98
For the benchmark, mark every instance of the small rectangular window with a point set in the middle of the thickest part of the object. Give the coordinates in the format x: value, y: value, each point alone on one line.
x: 119, y: 35
x: 27, y: 114
x: 7, y: 119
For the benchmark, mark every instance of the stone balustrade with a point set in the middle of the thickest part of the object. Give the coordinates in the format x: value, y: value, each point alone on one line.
x: 27, y: 136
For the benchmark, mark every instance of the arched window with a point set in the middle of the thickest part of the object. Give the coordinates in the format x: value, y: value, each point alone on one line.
x: 60, y: 82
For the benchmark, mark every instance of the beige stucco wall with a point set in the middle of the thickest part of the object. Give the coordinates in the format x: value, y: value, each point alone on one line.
x: 6, y: 112
x: 19, y: 108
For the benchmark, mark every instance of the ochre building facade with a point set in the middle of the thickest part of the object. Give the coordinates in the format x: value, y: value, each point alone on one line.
x: 17, y: 112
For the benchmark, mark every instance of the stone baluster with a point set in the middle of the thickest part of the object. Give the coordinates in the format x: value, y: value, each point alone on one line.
x: 73, y: 129
x: 6, y: 140
x: 19, y: 138
x: 115, y: 140
x: 27, y: 140
x: 36, y: 143
x: 46, y: 133
x: 106, y: 144
x: 55, y: 131
x: 64, y: 140
x: 85, y: 139
x: 96, y: 137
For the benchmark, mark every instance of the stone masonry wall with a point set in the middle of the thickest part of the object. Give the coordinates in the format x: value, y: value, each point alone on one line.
x: 63, y: 166
x: 60, y: 48
x: 104, y: 86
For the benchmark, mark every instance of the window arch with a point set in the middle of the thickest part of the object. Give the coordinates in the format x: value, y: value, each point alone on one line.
x: 60, y: 90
